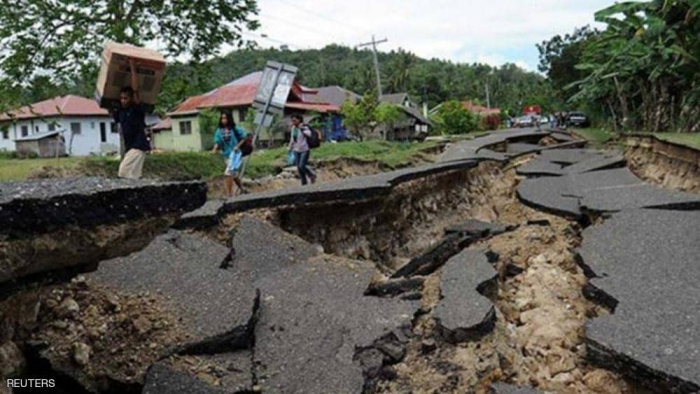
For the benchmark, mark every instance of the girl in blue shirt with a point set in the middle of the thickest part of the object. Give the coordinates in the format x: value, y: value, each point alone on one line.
x: 228, y: 139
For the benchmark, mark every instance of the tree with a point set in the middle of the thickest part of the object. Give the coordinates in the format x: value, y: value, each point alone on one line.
x: 453, y: 118
x: 400, y: 71
x: 360, y: 117
x: 64, y: 37
x: 388, y: 115
x: 642, y: 69
x: 560, y: 55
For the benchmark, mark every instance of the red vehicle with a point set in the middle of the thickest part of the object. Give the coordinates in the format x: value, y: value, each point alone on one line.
x: 532, y: 110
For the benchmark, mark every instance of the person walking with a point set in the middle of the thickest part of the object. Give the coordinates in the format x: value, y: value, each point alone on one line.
x: 298, y: 143
x: 229, y: 138
x: 131, y: 117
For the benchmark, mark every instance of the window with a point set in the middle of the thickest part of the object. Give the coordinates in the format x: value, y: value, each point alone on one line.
x: 5, y: 134
x: 75, y: 128
x: 242, y: 112
x: 36, y: 129
x: 52, y: 126
x: 113, y: 127
x: 25, y: 131
x: 92, y: 125
x: 185, y: 128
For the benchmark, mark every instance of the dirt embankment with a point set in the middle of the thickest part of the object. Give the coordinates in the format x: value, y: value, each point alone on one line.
x: 671, y: 165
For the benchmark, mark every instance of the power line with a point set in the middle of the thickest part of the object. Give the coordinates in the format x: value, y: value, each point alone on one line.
x: 286, y: 23
x: 354, y: 28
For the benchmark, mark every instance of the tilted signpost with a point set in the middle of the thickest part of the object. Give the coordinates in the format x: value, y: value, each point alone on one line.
x: 271, y: 97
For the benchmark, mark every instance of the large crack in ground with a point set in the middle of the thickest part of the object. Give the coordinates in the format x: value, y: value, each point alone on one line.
x: 540, y: 305
x: 541, y: 311
x: 541, y: 298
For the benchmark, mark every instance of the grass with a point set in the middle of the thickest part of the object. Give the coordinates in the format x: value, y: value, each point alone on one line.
x: 596, y: 136
x: 201, y: 165
x: 688, y: 139
x: 599, y: 137
x: 18, y: 169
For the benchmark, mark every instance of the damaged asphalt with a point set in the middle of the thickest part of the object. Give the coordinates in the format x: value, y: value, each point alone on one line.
x: 270, y: 312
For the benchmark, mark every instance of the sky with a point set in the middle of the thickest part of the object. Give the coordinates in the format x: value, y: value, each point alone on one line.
x: 485, y: 31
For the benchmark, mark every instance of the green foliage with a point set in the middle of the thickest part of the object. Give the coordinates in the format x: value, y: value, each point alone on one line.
x: 641, y: 71
x: 208, y: 123
x: 453, y: 118
x: 560, y: 55
x: 360, y: 117
x: 389, y: 115
x: 65, y: 37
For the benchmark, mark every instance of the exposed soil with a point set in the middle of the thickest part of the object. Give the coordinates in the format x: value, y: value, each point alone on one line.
x: 541, y: 311
x: 538, y: 339
x: 669, y: 165
x: 105, y: 338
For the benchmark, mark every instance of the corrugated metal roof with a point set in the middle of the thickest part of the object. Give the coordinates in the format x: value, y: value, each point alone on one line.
x: 69, y: 105
x: 39, y: 136
x: 241, y: 92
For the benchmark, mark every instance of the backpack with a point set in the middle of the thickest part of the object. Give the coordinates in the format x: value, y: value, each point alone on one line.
x: 314, y: 140
x: 247, y: 146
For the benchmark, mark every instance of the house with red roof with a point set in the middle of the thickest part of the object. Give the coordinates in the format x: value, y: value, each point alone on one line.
x: 85, y: 127
x: 183, y: 132
x: 480, y: 109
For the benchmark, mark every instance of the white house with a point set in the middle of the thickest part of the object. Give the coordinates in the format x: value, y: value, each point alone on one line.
x: 89, y: 129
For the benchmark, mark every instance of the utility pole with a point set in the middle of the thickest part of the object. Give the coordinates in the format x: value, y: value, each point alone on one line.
x: 374, y: 43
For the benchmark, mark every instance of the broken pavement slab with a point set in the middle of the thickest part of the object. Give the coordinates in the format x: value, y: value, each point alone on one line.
x: 647, y: 260
x: 348, y: 189
x: 52, y: 225
x: 464, y: 313
x: 472, y: 149
x: 600, y: 191
x: 205, y: 374
x: 183, y: 270
x: 313, y: 318
x: 259, y: 249
x: 207, y: 216
x: 559, y: 162
x: 604, y: 162
x: 164, y: 379
x: 40, y: 206
x: 638, y: 196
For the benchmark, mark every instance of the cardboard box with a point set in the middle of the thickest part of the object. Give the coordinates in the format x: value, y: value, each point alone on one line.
x: 115, y: 73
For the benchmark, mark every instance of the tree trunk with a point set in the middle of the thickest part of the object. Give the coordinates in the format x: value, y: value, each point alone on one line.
x: 614, y: 115
x: 623, y: 104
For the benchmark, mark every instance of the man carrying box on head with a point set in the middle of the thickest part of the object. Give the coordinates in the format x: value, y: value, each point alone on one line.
x: 131, y: 117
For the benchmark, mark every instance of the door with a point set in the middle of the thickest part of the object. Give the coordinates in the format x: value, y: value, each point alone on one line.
x: 103, y: 132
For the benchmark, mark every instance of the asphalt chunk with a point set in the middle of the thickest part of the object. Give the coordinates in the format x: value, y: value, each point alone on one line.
x: 184, y: 270
x: 464, y: 313
x: 647, y: 260
x: 313, y: 318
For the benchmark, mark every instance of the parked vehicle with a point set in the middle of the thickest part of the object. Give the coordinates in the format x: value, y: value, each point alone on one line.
x: 578, y: 119
x: 524, y: 121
